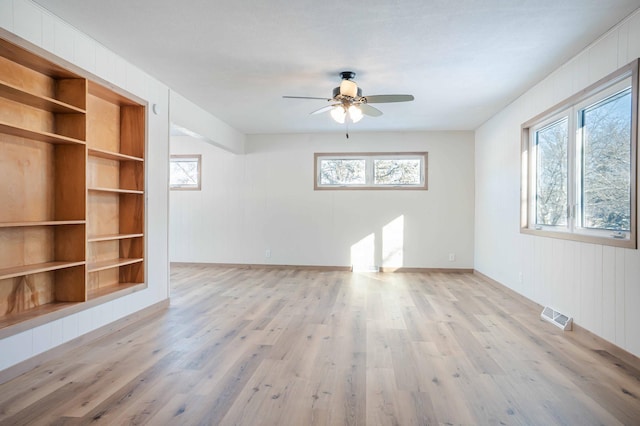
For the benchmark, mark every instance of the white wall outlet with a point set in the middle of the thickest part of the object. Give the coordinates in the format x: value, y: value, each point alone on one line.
x: 520, y: 277
x: 267, y: 253
x: 452, y: 257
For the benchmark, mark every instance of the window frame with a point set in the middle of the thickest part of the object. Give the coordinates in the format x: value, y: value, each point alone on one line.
x: 597, y: 92
x: 198, y: 186
x: 369, y: 158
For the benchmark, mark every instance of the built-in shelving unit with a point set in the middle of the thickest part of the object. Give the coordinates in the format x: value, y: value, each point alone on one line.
x: 115, y: 178
x: 72, y: 192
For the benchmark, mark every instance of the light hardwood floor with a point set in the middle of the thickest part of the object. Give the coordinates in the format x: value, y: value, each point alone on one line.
x: 298, y: 347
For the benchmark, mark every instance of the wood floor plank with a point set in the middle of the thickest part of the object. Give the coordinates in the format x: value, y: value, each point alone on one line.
x: 242, y: 346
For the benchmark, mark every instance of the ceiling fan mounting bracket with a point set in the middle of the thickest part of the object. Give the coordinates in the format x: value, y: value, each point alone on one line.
x: 347, y: 75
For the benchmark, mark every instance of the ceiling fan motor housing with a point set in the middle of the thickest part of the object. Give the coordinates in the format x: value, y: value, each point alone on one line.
x: 336, y: 92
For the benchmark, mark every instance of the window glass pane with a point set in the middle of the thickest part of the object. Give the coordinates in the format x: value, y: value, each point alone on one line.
x: 606, y: 163
x: 342, y: 172
x: 551, y: 174
x: 183, y: 172
x: 397, y: 171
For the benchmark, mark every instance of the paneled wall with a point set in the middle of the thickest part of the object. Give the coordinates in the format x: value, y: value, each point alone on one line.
x: 264, y: 200
x: 29, y: 25
x: 598, y: 285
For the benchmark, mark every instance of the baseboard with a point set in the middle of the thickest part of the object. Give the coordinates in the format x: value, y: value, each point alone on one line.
x: 598, y: 345
x: 579, y: 334
x: 265, y: 266
x: 33, y: 362
x: 523, y: 299
x: 426, y: 270
x: 321, y: 267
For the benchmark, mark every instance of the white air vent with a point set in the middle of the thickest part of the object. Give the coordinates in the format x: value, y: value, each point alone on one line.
x: 556, y: 318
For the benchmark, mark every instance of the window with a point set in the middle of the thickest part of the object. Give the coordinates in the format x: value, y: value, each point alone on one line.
x: 579, y: 165
x: 184, y: 172
x: 371, y: 171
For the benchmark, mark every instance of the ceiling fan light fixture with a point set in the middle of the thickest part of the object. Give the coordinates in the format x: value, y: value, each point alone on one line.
x: 348, y: 88
x: 338, y: 114
x: 355, y: 113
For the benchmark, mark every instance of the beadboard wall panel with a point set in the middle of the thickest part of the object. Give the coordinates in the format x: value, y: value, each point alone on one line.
x: 598, y: 285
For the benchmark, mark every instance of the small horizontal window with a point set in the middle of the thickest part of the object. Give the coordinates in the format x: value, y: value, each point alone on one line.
x: 184, y: 172
x: 371, y: 171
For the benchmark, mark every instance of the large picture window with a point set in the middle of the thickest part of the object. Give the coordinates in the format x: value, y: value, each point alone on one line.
x: 579, y: 165
x: 371, y: 171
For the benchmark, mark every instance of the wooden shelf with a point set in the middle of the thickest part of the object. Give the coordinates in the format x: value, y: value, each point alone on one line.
x: 37, y: 135
x: 117, y: 191
x: 112, y: 237
x: 42, y: 223
x: 18, y: 271
x: 113, y: 289
x: 112, y: 155
x: 109, y: 264
x: 32, y: 314
x: 45, y: 103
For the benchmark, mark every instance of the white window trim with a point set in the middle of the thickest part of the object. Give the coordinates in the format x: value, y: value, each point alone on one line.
x: 369, y: 158
x: 609, y: 85
x: 178, y: 187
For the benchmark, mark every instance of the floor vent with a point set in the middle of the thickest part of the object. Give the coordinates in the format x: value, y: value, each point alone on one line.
x: 556, y: 318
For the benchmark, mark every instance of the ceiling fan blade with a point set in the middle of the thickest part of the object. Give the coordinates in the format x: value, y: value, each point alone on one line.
x: 369, y: 110
x: 305, y: 97
x: 323, y: 109
x: 380, y: 99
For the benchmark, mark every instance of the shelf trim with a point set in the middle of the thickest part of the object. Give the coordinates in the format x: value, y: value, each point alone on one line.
x: 112, y: 263
x: 112, y: 237
x: 19, y: 271
x: 45, y: 103
x: 37, y: 135
x: 114, y: 291
x: 116, y: 190
x: 110, y: 155
x: 42, y: 223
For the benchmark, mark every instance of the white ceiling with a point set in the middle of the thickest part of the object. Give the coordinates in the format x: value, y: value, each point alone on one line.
x: 463, y: 60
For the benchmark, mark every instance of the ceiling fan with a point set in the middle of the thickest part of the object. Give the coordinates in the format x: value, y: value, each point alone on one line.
x: 348, y: 104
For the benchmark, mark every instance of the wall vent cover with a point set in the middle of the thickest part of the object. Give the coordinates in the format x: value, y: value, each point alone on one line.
x: 556, y: 318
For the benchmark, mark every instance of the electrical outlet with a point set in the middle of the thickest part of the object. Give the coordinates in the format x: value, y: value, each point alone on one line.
x: 452, y: 257
x: 267, y: 253
x: 520, y: 277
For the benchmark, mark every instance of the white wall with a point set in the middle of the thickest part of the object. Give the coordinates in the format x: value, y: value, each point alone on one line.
x: 598, y: 285
x: 265, y: 200
x: 29, y: 22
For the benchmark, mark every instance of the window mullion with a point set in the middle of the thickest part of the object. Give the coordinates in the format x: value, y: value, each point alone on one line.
x: 573, y: 169
x: 532, y: 177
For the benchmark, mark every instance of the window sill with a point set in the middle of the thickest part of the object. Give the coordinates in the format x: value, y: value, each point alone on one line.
x: 613, y: 242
